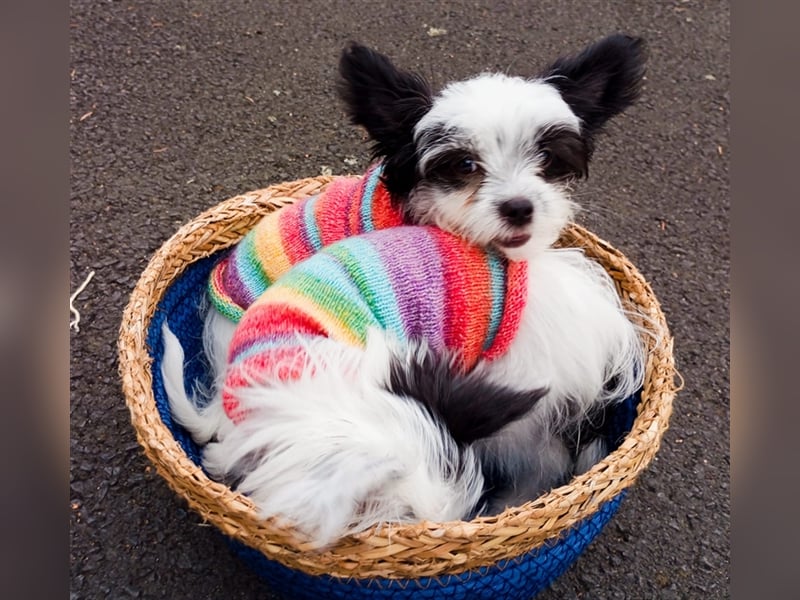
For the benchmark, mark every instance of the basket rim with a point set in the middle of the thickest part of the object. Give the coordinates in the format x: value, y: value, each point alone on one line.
x: 392, y: 550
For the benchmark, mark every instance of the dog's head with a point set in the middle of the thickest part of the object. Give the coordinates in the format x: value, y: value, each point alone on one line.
x: 491, y: 158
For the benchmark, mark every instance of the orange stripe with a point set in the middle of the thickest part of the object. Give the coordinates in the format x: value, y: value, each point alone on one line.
x: 384, y: 215
x: 268, y: 247
x: 333, y: 327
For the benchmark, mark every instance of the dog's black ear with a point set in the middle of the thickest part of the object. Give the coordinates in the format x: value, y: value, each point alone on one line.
x: 601, y: 81
x: 388, y: 102
x: 385, y: 100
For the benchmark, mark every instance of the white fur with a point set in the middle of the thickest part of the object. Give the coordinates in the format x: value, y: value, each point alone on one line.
x: 574, y: 336
x: 218, y: 332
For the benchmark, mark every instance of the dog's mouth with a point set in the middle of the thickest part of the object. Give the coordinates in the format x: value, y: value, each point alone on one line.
x: 515, y: 241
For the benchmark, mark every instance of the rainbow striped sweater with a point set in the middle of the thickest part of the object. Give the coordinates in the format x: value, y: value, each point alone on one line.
x: 347, y: 207
x: 412, y: 281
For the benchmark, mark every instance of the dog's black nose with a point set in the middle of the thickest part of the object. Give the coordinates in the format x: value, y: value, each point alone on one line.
x: 517, y: 211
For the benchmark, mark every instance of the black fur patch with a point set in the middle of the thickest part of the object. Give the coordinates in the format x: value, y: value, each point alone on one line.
x: 567, y: 154
x: 601, y: 81
x: 468, y: 406
x: 388, y: 102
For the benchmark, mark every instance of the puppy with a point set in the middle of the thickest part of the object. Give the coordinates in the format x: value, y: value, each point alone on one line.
x: 370, y: 430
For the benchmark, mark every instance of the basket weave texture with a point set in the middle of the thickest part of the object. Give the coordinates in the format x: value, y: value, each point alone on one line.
x: 391, y: 552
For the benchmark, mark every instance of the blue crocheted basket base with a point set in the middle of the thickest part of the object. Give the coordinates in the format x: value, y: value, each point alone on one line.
x: 519, y: 578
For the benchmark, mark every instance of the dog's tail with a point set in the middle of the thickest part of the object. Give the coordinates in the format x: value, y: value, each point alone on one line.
x: 201, y: 415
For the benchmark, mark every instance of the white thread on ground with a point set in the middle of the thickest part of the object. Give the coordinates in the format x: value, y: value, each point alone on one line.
x: 76, y: 316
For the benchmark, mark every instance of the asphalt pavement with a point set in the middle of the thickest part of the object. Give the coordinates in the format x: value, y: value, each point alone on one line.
x: 178, y: 105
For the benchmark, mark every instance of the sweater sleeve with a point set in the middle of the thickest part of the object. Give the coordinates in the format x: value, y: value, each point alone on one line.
x: 347, y: 207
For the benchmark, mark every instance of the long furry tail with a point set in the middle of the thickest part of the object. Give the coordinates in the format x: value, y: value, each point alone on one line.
x: 202, y: 415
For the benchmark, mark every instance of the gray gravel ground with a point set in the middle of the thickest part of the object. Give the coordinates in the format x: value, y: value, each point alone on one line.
x: 177, y: 105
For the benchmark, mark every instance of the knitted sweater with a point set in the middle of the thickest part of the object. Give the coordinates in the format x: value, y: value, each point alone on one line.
x: 413, y: 282
x: 284, y: 237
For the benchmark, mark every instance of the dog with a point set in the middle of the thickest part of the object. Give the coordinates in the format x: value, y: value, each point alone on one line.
x: 391, y: 428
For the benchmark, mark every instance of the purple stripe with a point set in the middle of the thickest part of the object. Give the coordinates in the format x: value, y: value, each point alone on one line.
x: 417, y: 278
x: 238, y: 274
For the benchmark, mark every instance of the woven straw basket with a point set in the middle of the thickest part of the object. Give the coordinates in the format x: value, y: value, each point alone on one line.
x: 511, y: 555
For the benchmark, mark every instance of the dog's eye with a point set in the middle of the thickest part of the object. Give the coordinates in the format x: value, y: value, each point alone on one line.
x: 466, y: 166
x: 455, y: 169
x: 546, y: 158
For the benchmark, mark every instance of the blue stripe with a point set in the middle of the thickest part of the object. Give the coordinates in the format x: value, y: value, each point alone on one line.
x: 497, y: 267
x: 262, y: 345
x: 310, y: 224
x: 368, y: 274
x: 325, y: 268
x: 366, y: 202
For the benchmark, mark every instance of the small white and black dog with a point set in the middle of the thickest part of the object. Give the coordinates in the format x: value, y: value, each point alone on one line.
x: 490, y: 159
